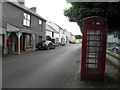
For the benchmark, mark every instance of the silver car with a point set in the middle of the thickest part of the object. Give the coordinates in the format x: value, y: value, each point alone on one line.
x: 115, y: 47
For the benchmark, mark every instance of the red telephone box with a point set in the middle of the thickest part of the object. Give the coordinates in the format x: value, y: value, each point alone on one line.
x: 94, y: 31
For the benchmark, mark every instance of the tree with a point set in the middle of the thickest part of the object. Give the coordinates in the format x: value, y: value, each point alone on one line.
x: 109, y: 10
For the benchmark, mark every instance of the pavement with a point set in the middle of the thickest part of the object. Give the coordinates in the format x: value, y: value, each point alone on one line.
x: 111, y: 79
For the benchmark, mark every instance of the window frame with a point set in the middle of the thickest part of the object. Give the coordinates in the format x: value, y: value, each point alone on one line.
x: 28, y: 40
x: 26, y: 19
x: 40, y: 22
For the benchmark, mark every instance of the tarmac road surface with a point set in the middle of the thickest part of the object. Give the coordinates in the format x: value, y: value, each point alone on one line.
x: 41, y: 69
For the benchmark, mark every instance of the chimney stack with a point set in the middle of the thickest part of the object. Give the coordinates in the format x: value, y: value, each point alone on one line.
x: 21, y: 2
x: 33, y: 9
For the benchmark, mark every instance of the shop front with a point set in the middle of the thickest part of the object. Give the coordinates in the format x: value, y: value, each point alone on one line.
x: 19, y: 40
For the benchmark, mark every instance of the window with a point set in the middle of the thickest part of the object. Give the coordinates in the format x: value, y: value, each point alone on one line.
x: 40, y: 38
x: 52, y: 34
x: 40, y: 22
x: 26, y: 20
x: 28, y: 40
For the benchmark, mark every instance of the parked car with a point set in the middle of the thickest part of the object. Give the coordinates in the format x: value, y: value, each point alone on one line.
x: 45, y: 45
x: 73, y: 42
x: 115, y: 47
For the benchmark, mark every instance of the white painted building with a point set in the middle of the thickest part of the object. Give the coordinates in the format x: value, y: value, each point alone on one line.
x: 55, y: 32
x: 72, y: 37
x: 52, y: 33
x: 61, y: 36
x: 68, y: 36
x: 113, y: 38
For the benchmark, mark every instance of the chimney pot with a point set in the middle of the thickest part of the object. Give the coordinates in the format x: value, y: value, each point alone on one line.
x: 22, y: 2
x: 33, y: 9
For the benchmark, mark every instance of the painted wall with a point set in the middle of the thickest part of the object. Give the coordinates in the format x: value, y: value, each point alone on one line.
x: 113, y: 37
x: 14, y: 15
x: 49, y: 33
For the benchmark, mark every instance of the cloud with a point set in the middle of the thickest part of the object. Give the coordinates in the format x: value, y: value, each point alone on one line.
x: 53, y: 10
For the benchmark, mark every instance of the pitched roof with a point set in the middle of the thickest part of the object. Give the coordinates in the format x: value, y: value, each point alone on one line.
x: 50, y: 28
x: 25, y: 8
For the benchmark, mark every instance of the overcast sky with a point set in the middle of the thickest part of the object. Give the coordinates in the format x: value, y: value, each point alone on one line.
x: 52, y: 10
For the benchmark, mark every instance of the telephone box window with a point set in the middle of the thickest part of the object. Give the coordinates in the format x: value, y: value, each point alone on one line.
x: 92, y: 66
x: 94, y: 38
x: 95, y: 49
x: 93, y: 32
x: 95, y: 60
x: 94, y: 43
x: 93, y: 55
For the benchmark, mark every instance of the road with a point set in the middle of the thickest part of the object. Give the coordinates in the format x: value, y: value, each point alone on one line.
x: 41, y: 69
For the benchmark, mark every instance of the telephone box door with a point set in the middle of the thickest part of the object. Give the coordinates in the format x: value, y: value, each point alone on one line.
x: 93, y: 48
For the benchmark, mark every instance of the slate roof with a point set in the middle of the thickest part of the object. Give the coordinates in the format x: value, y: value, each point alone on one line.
x: 24, y: 8
x: 50, y: 28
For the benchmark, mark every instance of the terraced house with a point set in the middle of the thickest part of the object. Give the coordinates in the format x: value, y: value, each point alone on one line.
x: 52, y: 32
x: 22, y: 27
